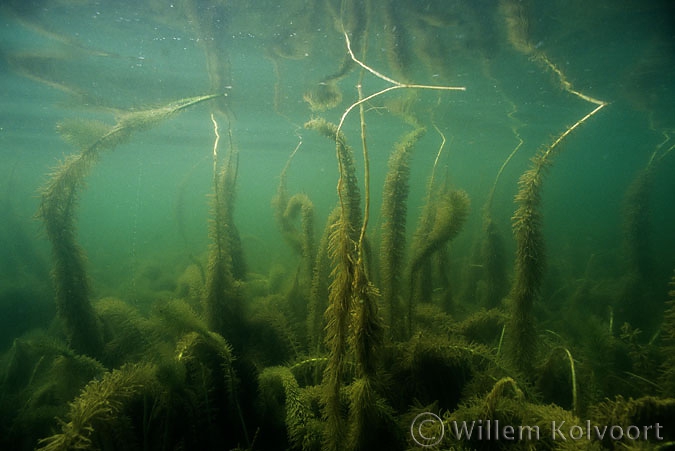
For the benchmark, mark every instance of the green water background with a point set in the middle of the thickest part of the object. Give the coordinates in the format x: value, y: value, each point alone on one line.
x: 143, y: 215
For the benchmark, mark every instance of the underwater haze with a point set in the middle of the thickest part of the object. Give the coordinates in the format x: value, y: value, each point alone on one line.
x: 307, y: 224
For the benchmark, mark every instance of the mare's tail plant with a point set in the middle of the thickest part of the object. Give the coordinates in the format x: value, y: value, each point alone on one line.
x: 223, y: 299
x: 394, y: 211
x: 636, y: 212
x: 530, y: 254
x: 440, y: 223
x: 58, y: 210
x: 530, y: 259
x: 342, y: 247
x: 287, y: 210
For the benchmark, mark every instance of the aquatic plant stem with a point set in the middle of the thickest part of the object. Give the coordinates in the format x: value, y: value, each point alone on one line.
x: 216, y: 191
x: 391, y: 80
x: 435, y: 166
x: 366, y: 180
x: 396, y: 84
x: 530, y: 255
x: 215, y: 145
x: 575, y: 402
x: 566, y: 85
x: 58, y: 208
x: 488, y: 204
x: 560, y: 138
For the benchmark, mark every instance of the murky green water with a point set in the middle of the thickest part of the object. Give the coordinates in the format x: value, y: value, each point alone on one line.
x: 130, y: 239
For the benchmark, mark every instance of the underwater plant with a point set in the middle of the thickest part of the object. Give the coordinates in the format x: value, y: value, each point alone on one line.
x: 442, y: 219
x: 96, y: 416
x: 393, y: 239
x: 636, y: 213
x: 279, y: 389
x: 223, y: 302
x: 320, y: 286
x: 530, y: 256
x: 342, y: 249
x: 57, y: 211
x: 507, y: 404
x: 287, y: 210
x: 353, y: 16
x: 636, y: 222
x: 342, y: 340
x: 668, y: 365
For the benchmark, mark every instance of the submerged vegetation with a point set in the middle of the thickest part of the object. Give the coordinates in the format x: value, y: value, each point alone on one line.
x: 381, y: 318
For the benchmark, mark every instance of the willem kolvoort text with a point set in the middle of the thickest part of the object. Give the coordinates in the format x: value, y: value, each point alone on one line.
x: 560, y: 430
